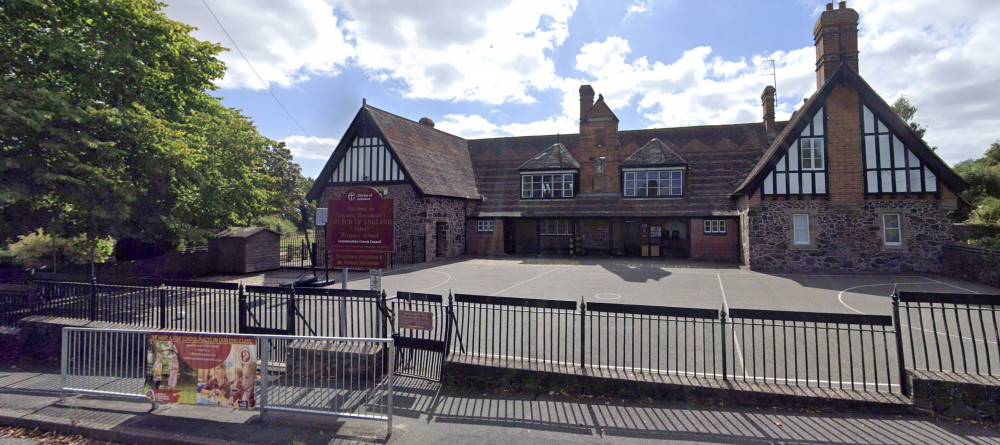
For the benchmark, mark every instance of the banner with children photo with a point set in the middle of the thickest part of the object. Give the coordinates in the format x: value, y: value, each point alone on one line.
x: 201, y: 369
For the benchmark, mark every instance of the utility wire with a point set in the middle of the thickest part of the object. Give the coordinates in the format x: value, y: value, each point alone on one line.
x: 266, y: 87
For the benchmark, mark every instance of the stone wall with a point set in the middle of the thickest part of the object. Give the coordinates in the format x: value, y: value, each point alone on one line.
x: 973, y: 263
x: 956, y: 395
x: 964, y: 232
x: 848, y: 237
x: 415, y: 216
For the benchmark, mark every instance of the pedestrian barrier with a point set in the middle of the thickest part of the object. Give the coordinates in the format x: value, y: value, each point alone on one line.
x: 338, y: 376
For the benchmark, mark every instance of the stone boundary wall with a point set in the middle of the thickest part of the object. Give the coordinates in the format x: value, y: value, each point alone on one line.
x: 956, y: 395
x: 848, y: 237
x: 972, y: 263
x: 964, y: 232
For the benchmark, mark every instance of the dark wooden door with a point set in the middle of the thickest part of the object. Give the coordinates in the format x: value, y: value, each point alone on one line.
x: 632, y: 238
x: 442, y: 239
x: 509, y: 237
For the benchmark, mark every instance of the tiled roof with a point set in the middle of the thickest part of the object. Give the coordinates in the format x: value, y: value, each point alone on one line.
x: 552, y: 158
x: 654, y: 153
x: 438, y: 163
x: 718, y: 157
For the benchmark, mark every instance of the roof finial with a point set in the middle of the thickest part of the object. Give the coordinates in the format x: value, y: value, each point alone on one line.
x: 557, y: 138
x: 364, y: 102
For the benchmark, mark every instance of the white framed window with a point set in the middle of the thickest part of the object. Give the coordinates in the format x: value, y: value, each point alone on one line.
x: 811, y: 151
x: 547, y: 185
x: 554, y: 227
x: 892, y: 229
x: 654, y: 183
x: 484, y: 225
x: 800, y: 229
x: 715, y: 226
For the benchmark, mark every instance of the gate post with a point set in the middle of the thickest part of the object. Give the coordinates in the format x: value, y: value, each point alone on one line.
x: 93, y: 297
x: 583, y: 336
x: 290, y: 313
x: 385, y: 318
x: 904, y: 385
x: 162, y: 295
x: 449, y: 317
x: 243, y: 309
x: 722, y: 318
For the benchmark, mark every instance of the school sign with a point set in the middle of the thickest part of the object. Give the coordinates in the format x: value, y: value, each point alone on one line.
x: 360, y: 229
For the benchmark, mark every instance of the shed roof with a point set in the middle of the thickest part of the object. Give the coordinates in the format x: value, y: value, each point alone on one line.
x: 243, y: 232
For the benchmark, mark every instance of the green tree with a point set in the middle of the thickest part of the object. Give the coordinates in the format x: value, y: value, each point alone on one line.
x: 107, y: 127
x: 906, y: 110
x: 983, y: 176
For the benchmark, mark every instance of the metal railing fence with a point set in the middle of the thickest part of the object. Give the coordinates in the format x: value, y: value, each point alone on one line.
x: 843, y: 351
x: 344, y: 377
x: 949, y: 332
x: 517, y: 332
x: 421, y: 352
x: 14, y: 303
x: 652, y: 339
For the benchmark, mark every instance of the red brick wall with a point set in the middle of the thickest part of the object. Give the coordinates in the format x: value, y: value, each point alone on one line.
x: 843, y: 130
x: 485, y: 243
x: 714, y: 247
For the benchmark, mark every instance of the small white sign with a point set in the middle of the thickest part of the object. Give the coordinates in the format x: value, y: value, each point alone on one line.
x: 375, y: 279
x: 321, y: 217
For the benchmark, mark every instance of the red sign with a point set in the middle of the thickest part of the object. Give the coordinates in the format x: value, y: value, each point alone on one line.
x: 360, y: 229
x: 423, y: 321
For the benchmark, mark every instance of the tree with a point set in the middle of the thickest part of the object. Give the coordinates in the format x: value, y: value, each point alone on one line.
x: 906, y: 111
x: 983, y: 176
x: 107, y: 127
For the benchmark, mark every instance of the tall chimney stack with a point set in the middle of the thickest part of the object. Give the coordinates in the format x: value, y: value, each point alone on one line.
x: 586, y: 100
x: 767, y: 100
x: 836, y: 34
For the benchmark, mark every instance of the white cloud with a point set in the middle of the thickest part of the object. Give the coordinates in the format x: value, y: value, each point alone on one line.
x: 310, y: 147
x: 287, y: 42
x: 637, y: 7
x: 489, y: 51
x: 469, y: 126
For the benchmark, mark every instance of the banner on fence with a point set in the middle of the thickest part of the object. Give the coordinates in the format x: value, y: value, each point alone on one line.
x: 201, y: 369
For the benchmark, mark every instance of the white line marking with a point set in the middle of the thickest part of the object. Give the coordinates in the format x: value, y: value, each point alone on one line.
x: 525, y: 281
x: 436, y: 285
x: 949, y: 335
x: 952, y: 285
x: 840, y: 295
x: 725, y: 306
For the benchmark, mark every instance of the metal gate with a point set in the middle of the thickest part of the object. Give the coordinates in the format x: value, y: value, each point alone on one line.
x: 267, y: 311
x: 422, y: 333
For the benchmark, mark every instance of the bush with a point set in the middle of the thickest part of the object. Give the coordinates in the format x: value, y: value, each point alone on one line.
x: 35, y: 249
x: 278, y: 224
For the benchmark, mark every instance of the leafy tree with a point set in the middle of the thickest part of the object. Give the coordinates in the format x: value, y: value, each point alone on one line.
x: 36, y: 249
x: 906, y: 110
x: 983, y: 176
x: 107, y: 127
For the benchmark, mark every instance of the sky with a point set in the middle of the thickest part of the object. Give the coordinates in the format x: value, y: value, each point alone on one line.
x: 514, y: 67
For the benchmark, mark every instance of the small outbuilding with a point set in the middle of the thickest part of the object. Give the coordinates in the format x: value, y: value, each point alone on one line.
x: 245, y: 250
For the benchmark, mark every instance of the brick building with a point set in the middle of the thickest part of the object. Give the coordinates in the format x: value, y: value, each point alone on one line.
x: 845, y: 184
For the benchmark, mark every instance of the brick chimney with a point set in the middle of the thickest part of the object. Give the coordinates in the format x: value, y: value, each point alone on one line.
x: 586, y: 100
x: 767, y: 100
x: 836, y: 34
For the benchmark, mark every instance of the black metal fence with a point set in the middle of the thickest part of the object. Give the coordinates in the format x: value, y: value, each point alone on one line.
x: 517, y: 332
x: 421, y: 343
x: 652, y: 340
x: 13, y: 303
x: 296, y: 250
x: 949, y: 332
x: 843, y: 351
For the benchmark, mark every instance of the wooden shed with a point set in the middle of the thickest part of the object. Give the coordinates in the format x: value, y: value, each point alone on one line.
x: 245, y: 250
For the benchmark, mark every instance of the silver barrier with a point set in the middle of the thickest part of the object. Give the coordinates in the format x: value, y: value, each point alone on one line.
x: 343, y: 377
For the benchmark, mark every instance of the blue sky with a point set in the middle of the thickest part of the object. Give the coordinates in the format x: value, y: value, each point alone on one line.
x: 499, y: 68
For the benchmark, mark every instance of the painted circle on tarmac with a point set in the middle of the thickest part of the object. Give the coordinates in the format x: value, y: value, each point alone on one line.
x: 607, y: 296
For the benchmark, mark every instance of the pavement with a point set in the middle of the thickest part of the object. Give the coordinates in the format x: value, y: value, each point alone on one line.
x: 426, y: 413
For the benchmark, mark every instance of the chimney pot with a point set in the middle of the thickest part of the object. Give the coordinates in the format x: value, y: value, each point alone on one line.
x: 767, y: 100
x: 427, y: 121
x: 842, y: 5
x: 836, y: 37
x: 586, y: 100
x: 829, y: 6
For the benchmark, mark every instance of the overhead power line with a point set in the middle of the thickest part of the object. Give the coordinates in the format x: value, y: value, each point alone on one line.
x: 245, y: 59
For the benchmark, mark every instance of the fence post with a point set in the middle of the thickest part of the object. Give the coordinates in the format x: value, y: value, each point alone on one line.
x: 243, y: 309
x: 583, y: 336
x: 32, y: 293
x: 93, y: 297
x: 162, y: 294
x: 904, y: 385
x: 449, y: 316
x: 290, y: 316
x: 385, y: 319
x: 264, y: 374
x: 722, y: 318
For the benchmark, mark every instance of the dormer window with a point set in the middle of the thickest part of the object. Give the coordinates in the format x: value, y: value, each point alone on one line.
x: 654, y: 183
x: 554, y: 185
